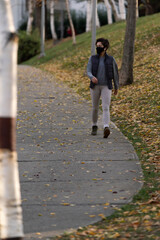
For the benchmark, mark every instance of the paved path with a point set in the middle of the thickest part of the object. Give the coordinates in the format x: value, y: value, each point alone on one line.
x: 68, y: 177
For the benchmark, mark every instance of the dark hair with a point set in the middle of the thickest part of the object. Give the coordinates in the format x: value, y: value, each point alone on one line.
x: 104, y: 41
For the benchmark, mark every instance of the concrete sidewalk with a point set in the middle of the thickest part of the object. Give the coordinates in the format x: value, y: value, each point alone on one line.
x: 69, y: 178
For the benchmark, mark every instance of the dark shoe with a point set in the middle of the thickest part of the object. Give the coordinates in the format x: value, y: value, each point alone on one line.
x: 106, y: 132
x: 94, y: 130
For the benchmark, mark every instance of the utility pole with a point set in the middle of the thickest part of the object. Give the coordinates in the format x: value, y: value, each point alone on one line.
x: 94, y: 8
x: 42, y: 29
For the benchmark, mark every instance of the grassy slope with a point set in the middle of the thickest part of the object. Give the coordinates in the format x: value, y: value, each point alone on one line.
x: 135, y: 110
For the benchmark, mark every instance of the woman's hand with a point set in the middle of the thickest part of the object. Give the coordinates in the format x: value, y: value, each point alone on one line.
x: 94, y: 80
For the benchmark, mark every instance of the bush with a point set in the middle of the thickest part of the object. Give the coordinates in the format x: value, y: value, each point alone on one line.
x: 29, y: 45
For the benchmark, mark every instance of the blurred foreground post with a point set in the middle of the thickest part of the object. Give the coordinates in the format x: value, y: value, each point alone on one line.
x: 11, y: 226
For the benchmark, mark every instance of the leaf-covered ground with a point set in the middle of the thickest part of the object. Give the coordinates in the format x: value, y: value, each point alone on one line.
x: 136, y: 111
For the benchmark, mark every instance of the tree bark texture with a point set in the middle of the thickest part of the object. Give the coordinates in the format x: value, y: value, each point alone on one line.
x: 109, y: 11
x: 88, y: 16
x: 122, y: 10
x: 71, y: 22
x: 11, y: 226
x: 38, y: 16
x: 115, y: 10
x: 97, y: 18
x: 54, y: 35
x: 126, y: 72
x: 137, y: 10
x: 30, y: 17
x: 43, y: 29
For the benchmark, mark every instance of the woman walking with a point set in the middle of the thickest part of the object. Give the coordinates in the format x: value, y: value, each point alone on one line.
x: 101, y: 70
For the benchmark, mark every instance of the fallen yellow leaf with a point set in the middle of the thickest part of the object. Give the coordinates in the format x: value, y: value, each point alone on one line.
x: 106, y: 204
x: 65, y: 204
x: 52, y: 214
x: 101, y: 215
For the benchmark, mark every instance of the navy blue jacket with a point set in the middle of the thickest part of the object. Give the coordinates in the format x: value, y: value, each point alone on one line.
x: 111, y: 70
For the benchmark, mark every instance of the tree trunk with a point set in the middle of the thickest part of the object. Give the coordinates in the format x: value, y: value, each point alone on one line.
x: 97, y: 17
x: 11, y: 226
x: 149, y: 9
x: 71, y: 23
x: 122, y: 10
x: 88, y: 16
x: 54, y: 35
x: 30, y: 17
x: 97, y: 20
x: 38, y: 16
x: 109, y: 11
x: 137, y: 10
x: 115, y: 11
x: 126, y: 72
x: 42, y: 29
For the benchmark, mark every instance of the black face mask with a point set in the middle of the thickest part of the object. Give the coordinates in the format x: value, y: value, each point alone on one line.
x: 100, y: 50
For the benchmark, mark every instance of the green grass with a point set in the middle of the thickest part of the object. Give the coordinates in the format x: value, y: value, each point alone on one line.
x: 146, y: 27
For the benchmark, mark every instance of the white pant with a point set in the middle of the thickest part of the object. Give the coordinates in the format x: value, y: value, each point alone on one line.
x: 105, y: 93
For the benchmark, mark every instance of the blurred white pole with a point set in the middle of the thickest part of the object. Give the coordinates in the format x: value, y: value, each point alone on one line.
x: 94, y: 9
